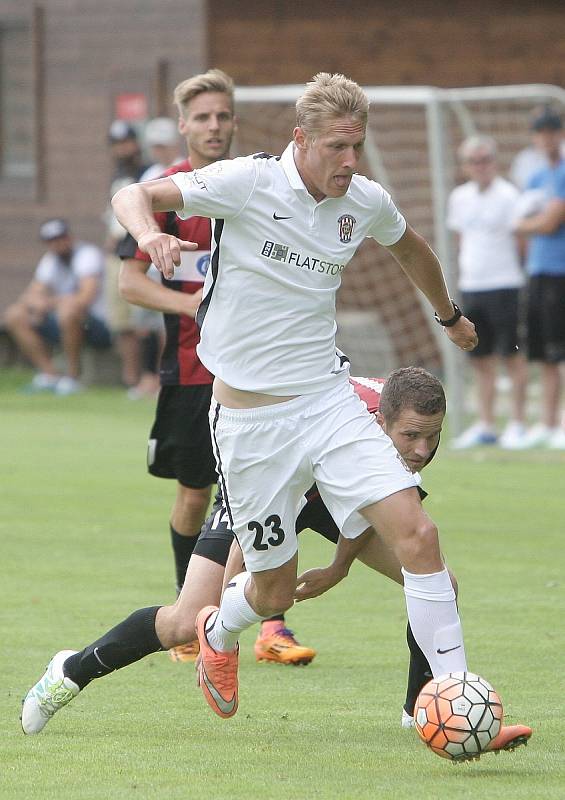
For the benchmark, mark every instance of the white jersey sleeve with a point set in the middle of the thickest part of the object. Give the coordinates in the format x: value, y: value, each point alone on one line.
x: 389, y: 224
x: 220, y: 190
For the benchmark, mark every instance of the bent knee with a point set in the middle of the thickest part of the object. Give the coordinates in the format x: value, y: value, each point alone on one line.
x: 14, y: 316
x: 193, y: 499
x: 418, y: 547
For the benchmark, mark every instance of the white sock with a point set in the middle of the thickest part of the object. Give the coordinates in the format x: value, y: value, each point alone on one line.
x: 234, y: 616
x: 435, y: 623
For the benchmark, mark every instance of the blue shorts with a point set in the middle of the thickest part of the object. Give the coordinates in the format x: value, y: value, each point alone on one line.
x: 96, y: 333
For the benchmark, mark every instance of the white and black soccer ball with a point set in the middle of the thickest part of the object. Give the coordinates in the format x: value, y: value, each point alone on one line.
x: 458, y: 715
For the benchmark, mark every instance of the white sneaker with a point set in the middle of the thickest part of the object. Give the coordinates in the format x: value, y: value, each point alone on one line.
x: 42, y: 382
x: 66, y: 386
x: 48, y: 695
x: 557, y: 439
x: 537, y: 436
x: 474, y: 436
x: 407, y: 721
x: 513, y: 436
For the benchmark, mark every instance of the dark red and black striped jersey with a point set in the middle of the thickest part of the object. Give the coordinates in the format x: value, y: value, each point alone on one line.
x: 369, y: 391
x: 179, y: 363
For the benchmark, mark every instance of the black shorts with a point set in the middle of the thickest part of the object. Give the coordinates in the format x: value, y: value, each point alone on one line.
x: 546, y: 318
x: 179, y: 443
x: 496, y: 315
x: 216, y: 535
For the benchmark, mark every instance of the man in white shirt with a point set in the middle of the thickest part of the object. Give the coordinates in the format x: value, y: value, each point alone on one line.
x: 62, y: 304
x: 284, y: 412
x: 481, y: 212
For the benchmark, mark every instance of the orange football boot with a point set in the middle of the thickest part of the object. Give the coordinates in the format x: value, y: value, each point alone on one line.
x: 185, y: 652
x: 509, y: 738
x: 280, y: 646
x: 217, y: 672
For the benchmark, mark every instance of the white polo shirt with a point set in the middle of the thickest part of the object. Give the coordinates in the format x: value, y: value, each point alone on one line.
x: 268, y: 313
x: 488, y: 251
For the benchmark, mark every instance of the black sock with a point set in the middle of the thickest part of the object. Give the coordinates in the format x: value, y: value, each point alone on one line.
x: 182, y: 548
x: 132, y: 639
x: 419, y: 672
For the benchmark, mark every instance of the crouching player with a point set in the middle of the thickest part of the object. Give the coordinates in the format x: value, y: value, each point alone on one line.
x: 410, y: 406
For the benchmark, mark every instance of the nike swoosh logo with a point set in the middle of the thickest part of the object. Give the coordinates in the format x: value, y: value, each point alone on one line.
x: 224, y: 706
x: 276, y: 216
x: 442, y: 652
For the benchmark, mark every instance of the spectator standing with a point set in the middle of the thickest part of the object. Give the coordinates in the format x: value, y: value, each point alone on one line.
x: 63, y: 304
x: 531, y: 159
x: 481, y: 212
x: 128, y: 168
x: 162, y: 139
x: 545, y: 227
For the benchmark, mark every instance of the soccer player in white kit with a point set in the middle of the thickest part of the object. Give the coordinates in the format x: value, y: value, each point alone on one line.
x: 284, y: 413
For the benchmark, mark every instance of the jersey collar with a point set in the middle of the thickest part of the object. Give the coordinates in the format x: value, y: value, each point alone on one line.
x: 290, y: 169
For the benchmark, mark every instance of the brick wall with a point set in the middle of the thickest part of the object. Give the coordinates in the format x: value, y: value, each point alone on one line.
x: 431, y: 42
x: 95, y: 49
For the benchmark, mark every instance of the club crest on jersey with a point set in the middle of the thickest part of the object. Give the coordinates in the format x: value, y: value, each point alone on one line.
x: 203, y: 263
x: 346, y: 223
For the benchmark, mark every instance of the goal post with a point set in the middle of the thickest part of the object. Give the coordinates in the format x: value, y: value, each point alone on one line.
x: 411, y: 146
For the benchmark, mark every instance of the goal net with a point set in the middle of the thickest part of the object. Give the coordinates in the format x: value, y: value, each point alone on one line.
x: 411, y: 146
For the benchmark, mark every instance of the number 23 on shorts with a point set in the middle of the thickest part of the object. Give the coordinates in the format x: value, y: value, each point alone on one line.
x: 268, y: 533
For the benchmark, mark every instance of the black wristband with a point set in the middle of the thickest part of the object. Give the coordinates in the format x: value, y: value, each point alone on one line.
x: 448, y: 323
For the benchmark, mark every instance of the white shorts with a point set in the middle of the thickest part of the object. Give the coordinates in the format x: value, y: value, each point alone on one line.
x: 268, y: 457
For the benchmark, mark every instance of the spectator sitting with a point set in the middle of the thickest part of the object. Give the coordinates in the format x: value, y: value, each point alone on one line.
x: 63, y: 303
x: 481, y: 212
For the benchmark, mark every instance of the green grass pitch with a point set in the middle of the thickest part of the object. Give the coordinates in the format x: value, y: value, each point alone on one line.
x: 85, y: 542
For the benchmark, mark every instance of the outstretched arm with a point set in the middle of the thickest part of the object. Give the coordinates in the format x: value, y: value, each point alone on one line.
x: 315, y: 582
x: 422, y: 266
x: 134, y: 206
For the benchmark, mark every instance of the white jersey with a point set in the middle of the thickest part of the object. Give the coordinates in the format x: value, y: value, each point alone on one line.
x: 488, y: 251
x: 61, y: 277
x: 268, y: 313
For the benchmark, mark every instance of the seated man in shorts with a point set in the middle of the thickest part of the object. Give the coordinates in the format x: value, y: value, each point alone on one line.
x: 64, y: 305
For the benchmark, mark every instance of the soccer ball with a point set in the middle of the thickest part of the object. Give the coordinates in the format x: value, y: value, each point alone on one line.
x: 457, y: 715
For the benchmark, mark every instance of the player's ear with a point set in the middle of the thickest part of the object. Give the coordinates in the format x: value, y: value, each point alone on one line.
x: 181, y: 125
x: 299, y: 138
x: 381, y: 420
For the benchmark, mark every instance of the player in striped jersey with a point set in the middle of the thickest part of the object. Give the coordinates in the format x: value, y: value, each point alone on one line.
x: 179, y: 443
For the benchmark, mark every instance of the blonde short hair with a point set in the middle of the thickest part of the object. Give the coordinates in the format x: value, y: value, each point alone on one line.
x: 327, y: 98
x: 215, y: 80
